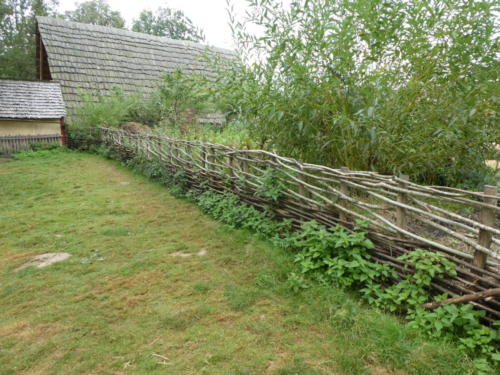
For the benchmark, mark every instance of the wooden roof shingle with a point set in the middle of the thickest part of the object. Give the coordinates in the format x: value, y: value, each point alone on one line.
x: 30, y: 100
x: 92, y: 58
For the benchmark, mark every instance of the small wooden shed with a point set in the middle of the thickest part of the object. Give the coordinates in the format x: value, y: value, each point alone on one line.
x: 30, y: 111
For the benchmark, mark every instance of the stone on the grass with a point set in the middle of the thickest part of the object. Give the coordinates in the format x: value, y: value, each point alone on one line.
x: 44, y: 260
x: 181, y: 254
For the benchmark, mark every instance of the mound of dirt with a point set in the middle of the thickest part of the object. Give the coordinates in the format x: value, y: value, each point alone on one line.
x: 135, y: 128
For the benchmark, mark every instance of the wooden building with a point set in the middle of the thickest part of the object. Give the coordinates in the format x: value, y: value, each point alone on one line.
x: 30, y: 111
x: 96, y: 59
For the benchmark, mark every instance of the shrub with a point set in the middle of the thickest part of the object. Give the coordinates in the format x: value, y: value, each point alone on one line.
x: 227, y: 208
x: 341, y: 258
x: 336, y: 256
x: 184, y: 99
x: 99, y: 110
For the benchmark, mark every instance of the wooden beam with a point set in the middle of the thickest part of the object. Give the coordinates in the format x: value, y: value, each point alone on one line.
x: 462, y: 299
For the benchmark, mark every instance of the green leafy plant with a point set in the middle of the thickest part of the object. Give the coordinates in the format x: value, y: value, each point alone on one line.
x: 337, y: 256
x: 112, y: 109
x: 228, y: 209
x: 341, y: 258
x: 107, y: 110
x: 271, y: 186
x: 414, y: 290
x: 462, y: 323
x: 296, y: 282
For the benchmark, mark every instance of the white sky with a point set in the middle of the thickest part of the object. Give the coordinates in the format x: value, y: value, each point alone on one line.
x: 210, y: 15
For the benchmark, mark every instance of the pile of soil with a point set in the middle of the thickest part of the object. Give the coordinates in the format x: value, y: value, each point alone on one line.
x: 135, y: 128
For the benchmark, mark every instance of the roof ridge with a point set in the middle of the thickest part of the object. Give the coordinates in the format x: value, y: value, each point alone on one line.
x: 109, y: 29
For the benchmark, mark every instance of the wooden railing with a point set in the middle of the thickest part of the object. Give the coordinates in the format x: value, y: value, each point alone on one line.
x: 402, y: 215
x: 13, y: 143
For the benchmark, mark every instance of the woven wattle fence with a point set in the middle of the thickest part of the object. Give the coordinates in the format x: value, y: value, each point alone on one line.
x: 402, y: 216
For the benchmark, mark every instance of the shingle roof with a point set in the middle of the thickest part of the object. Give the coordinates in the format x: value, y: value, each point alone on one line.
x: 97, y: 58
x: 30, y: 99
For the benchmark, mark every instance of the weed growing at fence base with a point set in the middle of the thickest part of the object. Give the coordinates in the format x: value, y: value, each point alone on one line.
x: 122, y: 304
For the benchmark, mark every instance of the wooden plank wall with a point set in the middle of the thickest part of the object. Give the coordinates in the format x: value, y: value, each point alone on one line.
x: 15, y: 143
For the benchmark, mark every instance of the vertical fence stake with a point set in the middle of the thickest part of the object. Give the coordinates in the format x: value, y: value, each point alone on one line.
x: 401, y: 216
x: 487, y: 217
x: 346, y: 191
x: 302, y: 190
x: 230, y: 168
x: 203, y: 155
x: 210, y: 159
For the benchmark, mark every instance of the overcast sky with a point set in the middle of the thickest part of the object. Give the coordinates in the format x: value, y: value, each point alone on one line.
x: 210, y: 15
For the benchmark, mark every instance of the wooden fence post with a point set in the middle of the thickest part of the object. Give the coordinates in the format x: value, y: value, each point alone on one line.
x: 231, y: 166
x: 210, y: 159
x: 204, y: 158
x: 214, y: 159
x: 401, y: 215
x: 189, y: 156
x: 302, y: 190
x: 487, y: 217
x: 344, y: 189
x: 244, y: 167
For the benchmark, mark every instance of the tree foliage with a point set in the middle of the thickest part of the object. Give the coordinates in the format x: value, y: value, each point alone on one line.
x: 167, y: 22
x: 96, y: 12
x: 386, y: 85
x: 17, y: 36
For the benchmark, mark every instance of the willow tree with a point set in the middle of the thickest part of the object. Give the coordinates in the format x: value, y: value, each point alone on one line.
x: 387, y: 85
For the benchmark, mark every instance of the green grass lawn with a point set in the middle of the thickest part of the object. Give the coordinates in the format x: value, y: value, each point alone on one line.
x: 122, y: 304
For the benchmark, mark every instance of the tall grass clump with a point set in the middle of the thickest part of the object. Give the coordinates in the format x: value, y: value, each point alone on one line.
x: 385, y: 85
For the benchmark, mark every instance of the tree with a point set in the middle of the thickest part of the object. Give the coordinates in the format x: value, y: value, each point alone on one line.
x: 17, y: 36
x: 167, y: 22
x: 387, y: 85
x: 96, y: 12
